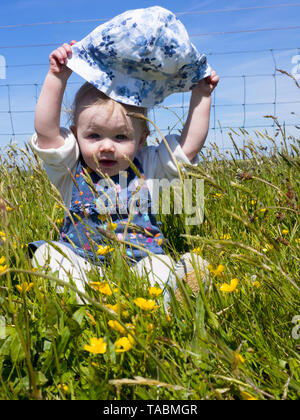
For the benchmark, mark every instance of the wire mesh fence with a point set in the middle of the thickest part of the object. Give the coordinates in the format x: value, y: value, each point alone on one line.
x: 241, y: 101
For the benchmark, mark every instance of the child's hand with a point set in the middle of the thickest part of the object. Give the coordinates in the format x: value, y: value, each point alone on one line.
x: 206, y: 86
x: 58, y: 59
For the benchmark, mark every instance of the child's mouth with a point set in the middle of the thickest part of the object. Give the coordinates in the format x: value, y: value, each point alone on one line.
x: 107, y: 162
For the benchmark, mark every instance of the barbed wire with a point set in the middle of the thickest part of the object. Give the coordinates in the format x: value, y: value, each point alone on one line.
x: 215, y: 127
x: 196, y: 12
x: 210, y: 53
x: 283, y: 28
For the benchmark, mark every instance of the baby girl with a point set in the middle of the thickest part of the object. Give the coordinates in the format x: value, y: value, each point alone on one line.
x: 106, y: 141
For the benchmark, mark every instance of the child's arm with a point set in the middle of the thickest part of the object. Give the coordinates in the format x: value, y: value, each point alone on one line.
x: 196, y: 127
x: 48, y: 109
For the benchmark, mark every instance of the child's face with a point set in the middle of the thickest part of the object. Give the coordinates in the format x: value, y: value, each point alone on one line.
x: 105, y: 136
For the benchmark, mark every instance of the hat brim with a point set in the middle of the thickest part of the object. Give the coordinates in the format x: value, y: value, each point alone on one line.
x: 131, y: 90
x: 140, y: 57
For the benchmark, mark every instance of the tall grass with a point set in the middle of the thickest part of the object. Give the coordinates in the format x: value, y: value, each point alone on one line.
x: 216, y: 345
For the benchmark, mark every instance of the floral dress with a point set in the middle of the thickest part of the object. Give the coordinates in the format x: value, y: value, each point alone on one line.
x: 103, y: 212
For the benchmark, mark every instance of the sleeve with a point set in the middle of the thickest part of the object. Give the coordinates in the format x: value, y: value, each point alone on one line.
x: 59, y: 162
x: 158, y: 163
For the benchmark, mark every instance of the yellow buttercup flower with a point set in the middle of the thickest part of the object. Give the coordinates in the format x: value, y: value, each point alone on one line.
x: 24, y: 287
x: 112, y: 226
x: 246, y: 396
x: 113, y: 307
x: 130, y: 326
x: 118, y: 307
x: 218, y: 272
x: 228, y: 288
x: 226, y: 236
x: 253, y: 281
x: 297, y: 241
x: 96, y: 346
x: 150, y: 327
x: 238, y: 357
x: 64, y: 387
x: 131, y: 339
x: 125, y: 314
x: 3, y: 268
x: 145, y: 304
x: 102, y: 287
x: 285, y: 231
x: 2, y: 236
x: 263, y: 210
x: 197, y: 251
x: 123, y: 344
x: 155, y: 291
x: 2, y: 260
x: 115, y: 325
x: 103, y: 250
x: 267, y: 248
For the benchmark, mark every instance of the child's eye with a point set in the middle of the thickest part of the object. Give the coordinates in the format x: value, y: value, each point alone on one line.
x: 121, y: 137
x: 93, y: 136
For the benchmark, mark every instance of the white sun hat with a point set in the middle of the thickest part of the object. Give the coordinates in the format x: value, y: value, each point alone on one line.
x: 140, y: 57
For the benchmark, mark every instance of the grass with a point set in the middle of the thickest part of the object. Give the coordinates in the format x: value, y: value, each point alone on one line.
x: 217, y: 345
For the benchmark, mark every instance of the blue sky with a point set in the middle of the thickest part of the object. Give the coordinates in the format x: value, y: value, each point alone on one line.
x: 27, y: 66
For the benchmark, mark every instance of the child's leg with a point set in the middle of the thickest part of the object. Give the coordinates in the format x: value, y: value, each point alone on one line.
x: 69, y: 265
x: 161, y: 269
x: 157, y: 269
x: 185, y: 270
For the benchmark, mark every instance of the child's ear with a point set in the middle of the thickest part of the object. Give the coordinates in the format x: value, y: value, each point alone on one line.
x: 74, y: 131
x: 142, y: 141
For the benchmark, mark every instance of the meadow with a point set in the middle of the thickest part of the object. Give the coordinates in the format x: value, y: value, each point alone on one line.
x: 238, y: 340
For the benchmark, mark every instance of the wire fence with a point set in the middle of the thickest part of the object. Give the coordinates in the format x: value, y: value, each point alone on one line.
x: 253, y: 96
x: 178, y: 14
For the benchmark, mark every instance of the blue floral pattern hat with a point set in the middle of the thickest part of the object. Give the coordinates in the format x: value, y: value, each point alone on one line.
x: 140, y: 57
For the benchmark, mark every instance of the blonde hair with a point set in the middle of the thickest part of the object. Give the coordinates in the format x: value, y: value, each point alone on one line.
x: 94, y: 96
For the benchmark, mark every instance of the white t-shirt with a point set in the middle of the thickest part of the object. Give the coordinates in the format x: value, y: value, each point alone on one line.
x: 155, y: 160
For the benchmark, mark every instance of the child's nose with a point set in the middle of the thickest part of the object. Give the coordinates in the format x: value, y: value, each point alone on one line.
x: 106, y: 145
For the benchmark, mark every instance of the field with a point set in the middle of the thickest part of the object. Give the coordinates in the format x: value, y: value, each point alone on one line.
x: 240, y: 341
